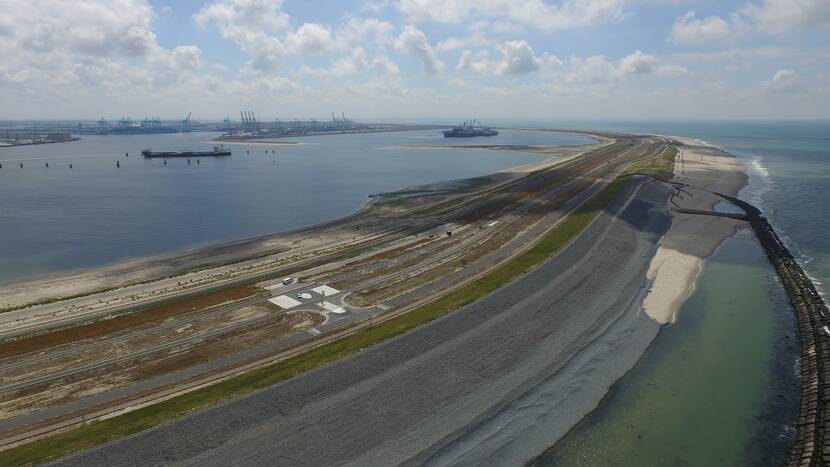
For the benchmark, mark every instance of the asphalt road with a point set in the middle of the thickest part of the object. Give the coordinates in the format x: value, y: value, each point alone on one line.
x: 493, y: 383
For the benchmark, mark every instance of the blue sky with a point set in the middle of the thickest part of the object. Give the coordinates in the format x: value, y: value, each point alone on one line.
x: 416, y: 58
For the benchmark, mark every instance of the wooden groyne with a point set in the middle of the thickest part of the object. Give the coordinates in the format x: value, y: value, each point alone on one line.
x: 812, y: 445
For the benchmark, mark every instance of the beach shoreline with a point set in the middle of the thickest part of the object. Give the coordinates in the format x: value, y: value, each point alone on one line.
x: 672, y: 274
x: 616, y: 331
x: 701, y: 170
x: 183, y: 265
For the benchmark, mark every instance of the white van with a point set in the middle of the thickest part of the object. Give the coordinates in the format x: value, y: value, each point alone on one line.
x: 287, y: 280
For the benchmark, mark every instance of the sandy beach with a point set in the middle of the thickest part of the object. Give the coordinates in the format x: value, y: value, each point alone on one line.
x: 702, y: 170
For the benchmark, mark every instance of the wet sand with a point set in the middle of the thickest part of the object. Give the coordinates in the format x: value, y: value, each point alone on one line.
x: 692, y: 238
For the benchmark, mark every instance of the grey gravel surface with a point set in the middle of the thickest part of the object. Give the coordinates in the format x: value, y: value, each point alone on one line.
x: 495, y: 382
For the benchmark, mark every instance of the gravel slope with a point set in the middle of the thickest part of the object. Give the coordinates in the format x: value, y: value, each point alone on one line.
x: 496, y: 382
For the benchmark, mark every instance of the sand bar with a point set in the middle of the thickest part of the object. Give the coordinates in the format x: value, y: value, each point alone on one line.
x: 703, y: 169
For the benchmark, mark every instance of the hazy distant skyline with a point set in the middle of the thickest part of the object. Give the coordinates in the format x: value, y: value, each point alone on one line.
x: 415, y: 58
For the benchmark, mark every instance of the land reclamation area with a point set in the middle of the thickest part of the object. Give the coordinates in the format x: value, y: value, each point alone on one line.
x: 473, y: 359
x: 576, y: 315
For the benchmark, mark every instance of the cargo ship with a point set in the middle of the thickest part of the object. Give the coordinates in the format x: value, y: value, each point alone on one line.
x: 469, y: 129
x: 218, y: 150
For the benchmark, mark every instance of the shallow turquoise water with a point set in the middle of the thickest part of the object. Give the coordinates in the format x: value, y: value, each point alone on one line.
x: 789, y: 167
x: 691, y: 424
x: 709, y: 391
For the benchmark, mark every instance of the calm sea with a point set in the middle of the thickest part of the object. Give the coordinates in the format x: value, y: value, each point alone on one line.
x: 720, y: 386
x: 59, y: 219
x: 788, y: 164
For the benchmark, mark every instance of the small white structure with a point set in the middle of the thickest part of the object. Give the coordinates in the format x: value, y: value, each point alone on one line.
x: 284, y: 301
x: 334, y: 308
x: 325, y: 291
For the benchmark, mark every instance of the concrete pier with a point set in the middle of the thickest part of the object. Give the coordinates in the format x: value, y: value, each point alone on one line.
x: 812, y: 446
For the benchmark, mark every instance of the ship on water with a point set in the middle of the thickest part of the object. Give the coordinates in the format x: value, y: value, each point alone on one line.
x: 218, y: 150
x: 469, y: 129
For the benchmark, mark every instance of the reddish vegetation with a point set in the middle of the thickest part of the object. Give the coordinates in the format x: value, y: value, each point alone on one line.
x: 124, y: 322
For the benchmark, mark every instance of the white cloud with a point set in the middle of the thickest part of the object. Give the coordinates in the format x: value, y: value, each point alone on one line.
x: 688, y: 29
x: 783, y: 82
x: 599, y: 70
x: 12, y: 77
x: 90, y: 46
x: 87, y: 27
x: 363, y: 29
x: 235, y: 18
x: 310, y: 38
x: 445, y: 11
x: 737, y: 54
x: 787, y: 16
x: 384, y: 66
x: 413, y: 41
x: 478, y: 62
x: 104, y: 58
x: 596, y: 69
x: 449, y: 44
x: 262, y: 30
x: 777, y: 17
x: 352, y: 63
x: 481, y: 33
x: 638, y: 63
x: 671, y: 70
x: 262, y: 88
x: 517, y: 58
x: 505, y: 27
x: 374, y: 6
x: 187, y: 57
x: 538, y: 14
x: 251, y: 24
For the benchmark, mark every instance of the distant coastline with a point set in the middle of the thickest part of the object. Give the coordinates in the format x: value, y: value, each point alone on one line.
x: 35, y: 143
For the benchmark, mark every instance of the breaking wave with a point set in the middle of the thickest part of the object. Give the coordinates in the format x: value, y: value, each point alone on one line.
x: 760, y: 182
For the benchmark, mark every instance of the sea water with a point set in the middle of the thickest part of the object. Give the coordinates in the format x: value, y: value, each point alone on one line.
x: 719, y: 386
x: 59, y: 219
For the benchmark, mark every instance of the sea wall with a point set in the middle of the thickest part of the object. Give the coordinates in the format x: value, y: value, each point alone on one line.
x: 812, y: 445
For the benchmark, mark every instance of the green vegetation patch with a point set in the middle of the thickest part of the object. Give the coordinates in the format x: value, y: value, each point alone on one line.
x: 660, y: 167
x: 103, y: 431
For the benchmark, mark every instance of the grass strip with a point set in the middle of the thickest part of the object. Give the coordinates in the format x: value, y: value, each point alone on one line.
x: 100, y: 432
x: 660, y: 167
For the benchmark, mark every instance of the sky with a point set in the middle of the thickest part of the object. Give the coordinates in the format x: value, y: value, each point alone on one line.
x: 375, y: 59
